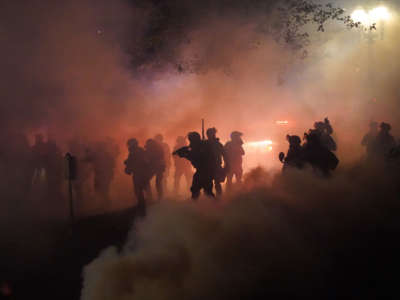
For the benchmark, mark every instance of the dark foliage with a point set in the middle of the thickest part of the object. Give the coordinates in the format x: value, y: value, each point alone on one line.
x: 171, y: 22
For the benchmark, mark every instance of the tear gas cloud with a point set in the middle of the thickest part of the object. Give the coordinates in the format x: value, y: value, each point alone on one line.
x: 299, y: 237
x: 68, y: 71
x: 283, y: 236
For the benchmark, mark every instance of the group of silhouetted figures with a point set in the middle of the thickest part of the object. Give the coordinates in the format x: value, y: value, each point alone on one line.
x: 316, y: 151
x: 96, y: 163
x: 380, y: 144
x: 204, y: 162
x: 22, y: 166
x: 212, y: 161
x: 40, y: 169
x: 145, y: 163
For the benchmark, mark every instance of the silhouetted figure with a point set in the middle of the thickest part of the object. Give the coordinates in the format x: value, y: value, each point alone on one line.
x: 394, y: 154
x: 54, y: 168
x: 155, y: 156
x: 385, y: 142
x: 182, y: 166
x: 199, y: 153
x: 370, y: 140
x: 167, y: 158
x: 16, y: 165
x: 294, y: 157
x: 39, y: 155
x: 84, y: 170
x: 102, y: 156
x: 317, y: 155
x: 233, y: 158
x: 217, y: 150
x: 138, y: 166
x: 325, y: 129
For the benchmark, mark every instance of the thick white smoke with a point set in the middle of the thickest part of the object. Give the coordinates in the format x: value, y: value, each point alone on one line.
x: 279, y: 240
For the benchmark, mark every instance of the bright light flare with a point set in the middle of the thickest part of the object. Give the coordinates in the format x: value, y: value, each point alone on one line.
x: 359, y: 15
x: 375, y: 15
x: 282, y: 122
x: 261, y: 146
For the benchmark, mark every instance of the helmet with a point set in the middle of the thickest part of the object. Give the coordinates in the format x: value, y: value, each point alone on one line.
x: 293, y: 139
x: 385, y: 126
x: 194, y: 137
x: 132, y: 143
x: 159, y: 138
x: 236, y: 134
x: 211, y: 132
x: 313, y: 136
x: 319, y: 125
x: 150, y: 143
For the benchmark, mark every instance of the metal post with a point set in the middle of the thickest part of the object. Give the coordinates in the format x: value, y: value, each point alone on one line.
x: 70, y: 174
x: 202, y: 129
x: 71, y: 202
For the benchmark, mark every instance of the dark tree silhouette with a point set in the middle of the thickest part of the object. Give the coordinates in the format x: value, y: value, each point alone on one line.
x: 171, y: 21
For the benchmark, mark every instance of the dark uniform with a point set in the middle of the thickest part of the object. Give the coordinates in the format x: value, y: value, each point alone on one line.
x: 325, y: 131
x: 103, y: 159
x: 385, y: 142
x: 233, y: 154
x: 317, y: 155
x: 39, y: 155
x: 16, y: 165
x: 167, y: 159
x: 199, y: 153
x: 182, y: 166
x: 218, y: 154
x: 155, y: 156
x: 84, y: 168
x: 138, y: 166
x: 54, y: 168
x: 369, y: 140
x: 294, y: 157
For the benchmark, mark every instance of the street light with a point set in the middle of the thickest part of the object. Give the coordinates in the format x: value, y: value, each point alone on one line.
x: 367, y: 18
x: 377, y: 15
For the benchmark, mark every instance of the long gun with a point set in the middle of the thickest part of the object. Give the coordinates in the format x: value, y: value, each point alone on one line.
x: 182, y: 152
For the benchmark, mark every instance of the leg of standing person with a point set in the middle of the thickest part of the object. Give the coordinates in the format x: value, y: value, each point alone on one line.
x: 139, y: 193
x: 159, y: 184
x: 196, y: 186
x: 177, y: 179
x: 188, y: 177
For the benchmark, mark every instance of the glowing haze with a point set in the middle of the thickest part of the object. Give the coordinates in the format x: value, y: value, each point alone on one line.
x: 68, y: 73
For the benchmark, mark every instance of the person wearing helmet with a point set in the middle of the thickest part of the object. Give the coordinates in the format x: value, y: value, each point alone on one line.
x: 294, y: 156
x: 218, y: 154
x: 369, y: 140
x: 137, y: 166
x: 39, y: 154
x: 200, y: 155
x: 314, y: 152
x: 80, y: 149
x: 167, y: 158
x: 325, y: 130
x: 233, y: 153
x: 103, y: 158
x: 182, y: 166
x: 385, y: 142
x: 155, y: 156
